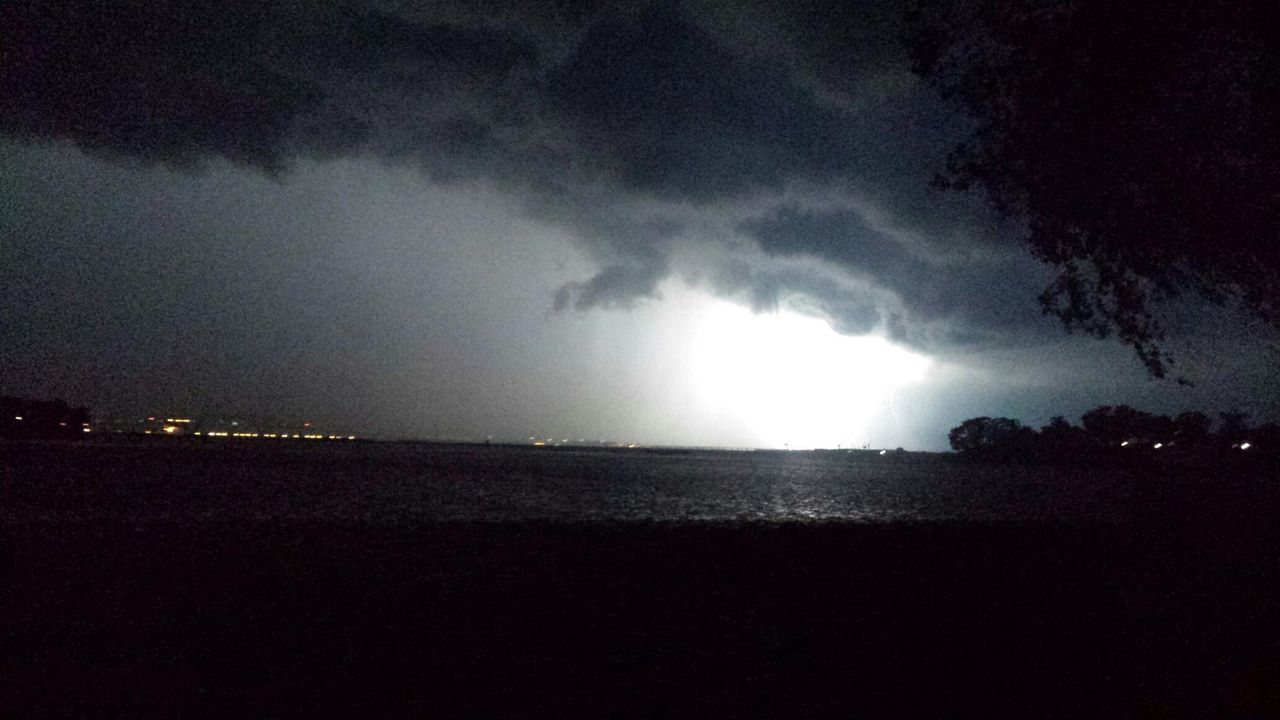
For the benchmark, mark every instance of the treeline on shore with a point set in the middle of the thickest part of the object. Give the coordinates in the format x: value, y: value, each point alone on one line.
x: 23, y: 418
x: 1117, y: 434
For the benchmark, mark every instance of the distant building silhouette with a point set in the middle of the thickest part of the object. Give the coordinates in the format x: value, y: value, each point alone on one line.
x: 24, y: 418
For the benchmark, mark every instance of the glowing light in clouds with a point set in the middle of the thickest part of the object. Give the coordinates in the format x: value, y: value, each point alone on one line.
x: 795, y: 382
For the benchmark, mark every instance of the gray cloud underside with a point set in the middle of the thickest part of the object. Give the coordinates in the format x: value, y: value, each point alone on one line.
x: 788, y: 165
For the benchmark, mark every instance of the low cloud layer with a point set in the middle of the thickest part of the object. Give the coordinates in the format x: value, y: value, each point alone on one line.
x: 775, y: 154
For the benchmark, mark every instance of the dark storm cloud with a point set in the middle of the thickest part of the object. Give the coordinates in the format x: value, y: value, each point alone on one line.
x: 972, y: 296
x: 163, y: 81
x: 257, y: 83
x: 655, y: 135
x: 852, y: 309
x: 657, y: 102
x: 616, y: 286
x: 840, y: 236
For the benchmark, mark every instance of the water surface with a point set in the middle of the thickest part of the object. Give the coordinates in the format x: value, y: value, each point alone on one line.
x: 419, y: 482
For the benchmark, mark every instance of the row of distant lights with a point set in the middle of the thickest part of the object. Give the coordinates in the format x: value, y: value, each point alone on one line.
x: 553, y: 443
x: 84, y: 427
x: 173, y: 429
x: 280, y: 436
x: 1157, y: 446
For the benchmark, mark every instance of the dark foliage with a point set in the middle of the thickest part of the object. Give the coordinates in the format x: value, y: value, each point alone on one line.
x: 985, y: 435
x: 1138, y: 139
x: 1114, y: 433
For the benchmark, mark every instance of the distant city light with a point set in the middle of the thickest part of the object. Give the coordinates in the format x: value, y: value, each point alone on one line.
x: 171, y: 429
x: 84, y: 429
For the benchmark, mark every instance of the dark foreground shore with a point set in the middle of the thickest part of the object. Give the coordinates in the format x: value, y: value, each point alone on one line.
x: 1163, y: 618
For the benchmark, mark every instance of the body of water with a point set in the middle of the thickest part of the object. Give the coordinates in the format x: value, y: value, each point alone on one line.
x: 420, y: 482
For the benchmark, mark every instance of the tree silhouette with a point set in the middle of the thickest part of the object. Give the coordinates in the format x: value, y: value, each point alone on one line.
x: 1119, y: 434
x: 1192, y: 429
x: 1138, y: 140
x: 1060, y: 437
x: 1234, y: 427
x: 988, y: 434
x: 1110, y: 425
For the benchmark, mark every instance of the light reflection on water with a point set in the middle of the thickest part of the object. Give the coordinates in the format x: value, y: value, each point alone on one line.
x: 416, y: 483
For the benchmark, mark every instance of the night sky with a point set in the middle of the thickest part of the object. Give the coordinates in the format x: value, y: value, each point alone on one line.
x: 662, y: 224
